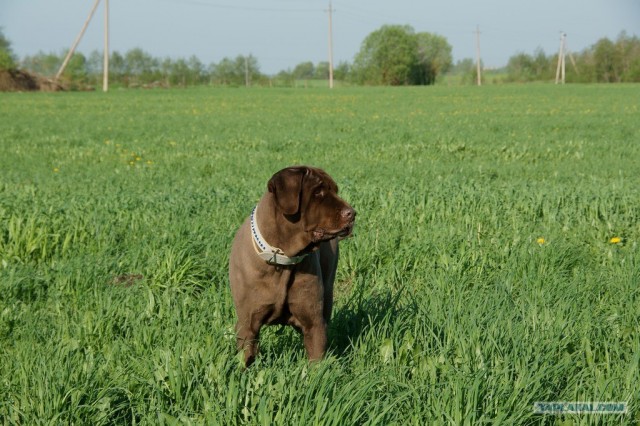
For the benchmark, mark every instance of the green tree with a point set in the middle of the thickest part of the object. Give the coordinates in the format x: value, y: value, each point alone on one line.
x: 606, y: 61
x: 178, y: 72
x: 523, y: 67
x: 7, y: 57
x: 95, y: 63
x: 196, y: 71
x: 43, y: 63
x: 235, y: 72
x: 94, y: 66
x: 543, y: 65
x: 342, y: 71
x: 610, y: 61
x: 76, y: 71
x: 322, y: 71
x: 140, y: 67
x: 518, y: 68
x: 304, y: 71
x: 396, y: 55
x: 247, y: 69
x: 388, y: 56
x: 183, y: 72
x: 434, y: 57
x: 224, y: 72
x: 166, y: 68
x: 284, y: 78
x: 628, y: 48
x: 466, y: 69
x: 117, y: 67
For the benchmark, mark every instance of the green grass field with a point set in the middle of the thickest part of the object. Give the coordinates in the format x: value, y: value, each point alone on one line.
x: 495, y: 261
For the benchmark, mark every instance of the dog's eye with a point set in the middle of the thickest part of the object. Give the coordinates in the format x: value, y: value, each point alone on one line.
x: 319, y: 193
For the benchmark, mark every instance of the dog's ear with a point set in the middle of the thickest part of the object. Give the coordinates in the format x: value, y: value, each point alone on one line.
x: 286, y: 186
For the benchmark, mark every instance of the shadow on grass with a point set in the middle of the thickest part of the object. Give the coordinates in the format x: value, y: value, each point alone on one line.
x: 353, y: 319
x: 348, y: 323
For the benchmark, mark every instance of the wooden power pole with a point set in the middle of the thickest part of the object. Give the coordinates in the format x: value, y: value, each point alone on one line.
x: 105, y: 64
x: 478, y: 66
x: 77, y: 41
x: 330, y: 46
x: 560, y: 70
x: 246, y: 71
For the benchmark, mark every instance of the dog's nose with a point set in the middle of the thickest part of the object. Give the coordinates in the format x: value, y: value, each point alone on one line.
x: 348, y: 213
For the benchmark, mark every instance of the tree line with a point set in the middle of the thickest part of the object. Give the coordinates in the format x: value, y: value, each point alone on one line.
x: 137, y: 68
x: 391, y: 55
x: 606, y: 61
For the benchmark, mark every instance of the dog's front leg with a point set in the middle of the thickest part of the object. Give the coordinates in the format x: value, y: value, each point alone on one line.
x: 315, y: 340
x: 248, y: 333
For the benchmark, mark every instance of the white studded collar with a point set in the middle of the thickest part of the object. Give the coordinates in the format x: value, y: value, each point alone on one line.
x: 272, y: 255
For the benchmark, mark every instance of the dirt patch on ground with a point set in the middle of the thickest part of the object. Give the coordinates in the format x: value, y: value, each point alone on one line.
x: 22, y: 81
x: 126, y: 280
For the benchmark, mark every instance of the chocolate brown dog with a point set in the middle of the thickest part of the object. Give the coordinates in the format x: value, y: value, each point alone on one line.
x: 284, y: 257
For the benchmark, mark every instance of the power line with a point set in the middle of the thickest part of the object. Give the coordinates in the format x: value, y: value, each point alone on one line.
x: 244, y: 8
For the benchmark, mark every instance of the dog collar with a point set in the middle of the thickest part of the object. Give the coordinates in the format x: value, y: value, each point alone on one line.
x: 272, y: 255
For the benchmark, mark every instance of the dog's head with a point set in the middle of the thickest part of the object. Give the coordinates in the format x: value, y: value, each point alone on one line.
x: 308, y: 195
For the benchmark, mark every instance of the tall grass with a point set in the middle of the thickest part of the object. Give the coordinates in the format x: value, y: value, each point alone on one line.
x: 485, y: 273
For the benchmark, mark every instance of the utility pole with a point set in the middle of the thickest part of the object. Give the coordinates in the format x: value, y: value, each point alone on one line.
x: 77, y: 41
x: 246, y: 71
x: 478, y: 70
x: 560, y: 70
x: 105, y: 65
x: 330, y: 46
x: 564, y: 39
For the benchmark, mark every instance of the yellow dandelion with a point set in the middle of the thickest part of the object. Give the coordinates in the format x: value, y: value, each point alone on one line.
x: 149, y: 162
x: 132, y: 163
x: 138, y: 158
x: 541, y: 241
x: 615, y: 240
x: 56, y: 170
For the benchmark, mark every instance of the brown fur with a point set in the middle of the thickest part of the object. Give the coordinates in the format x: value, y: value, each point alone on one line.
x: 300, y: 213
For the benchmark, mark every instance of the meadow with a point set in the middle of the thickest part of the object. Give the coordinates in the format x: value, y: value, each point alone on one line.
x: 494, y: 264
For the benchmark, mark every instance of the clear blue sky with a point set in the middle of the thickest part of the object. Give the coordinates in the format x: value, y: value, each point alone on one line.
x: 283, y: 33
